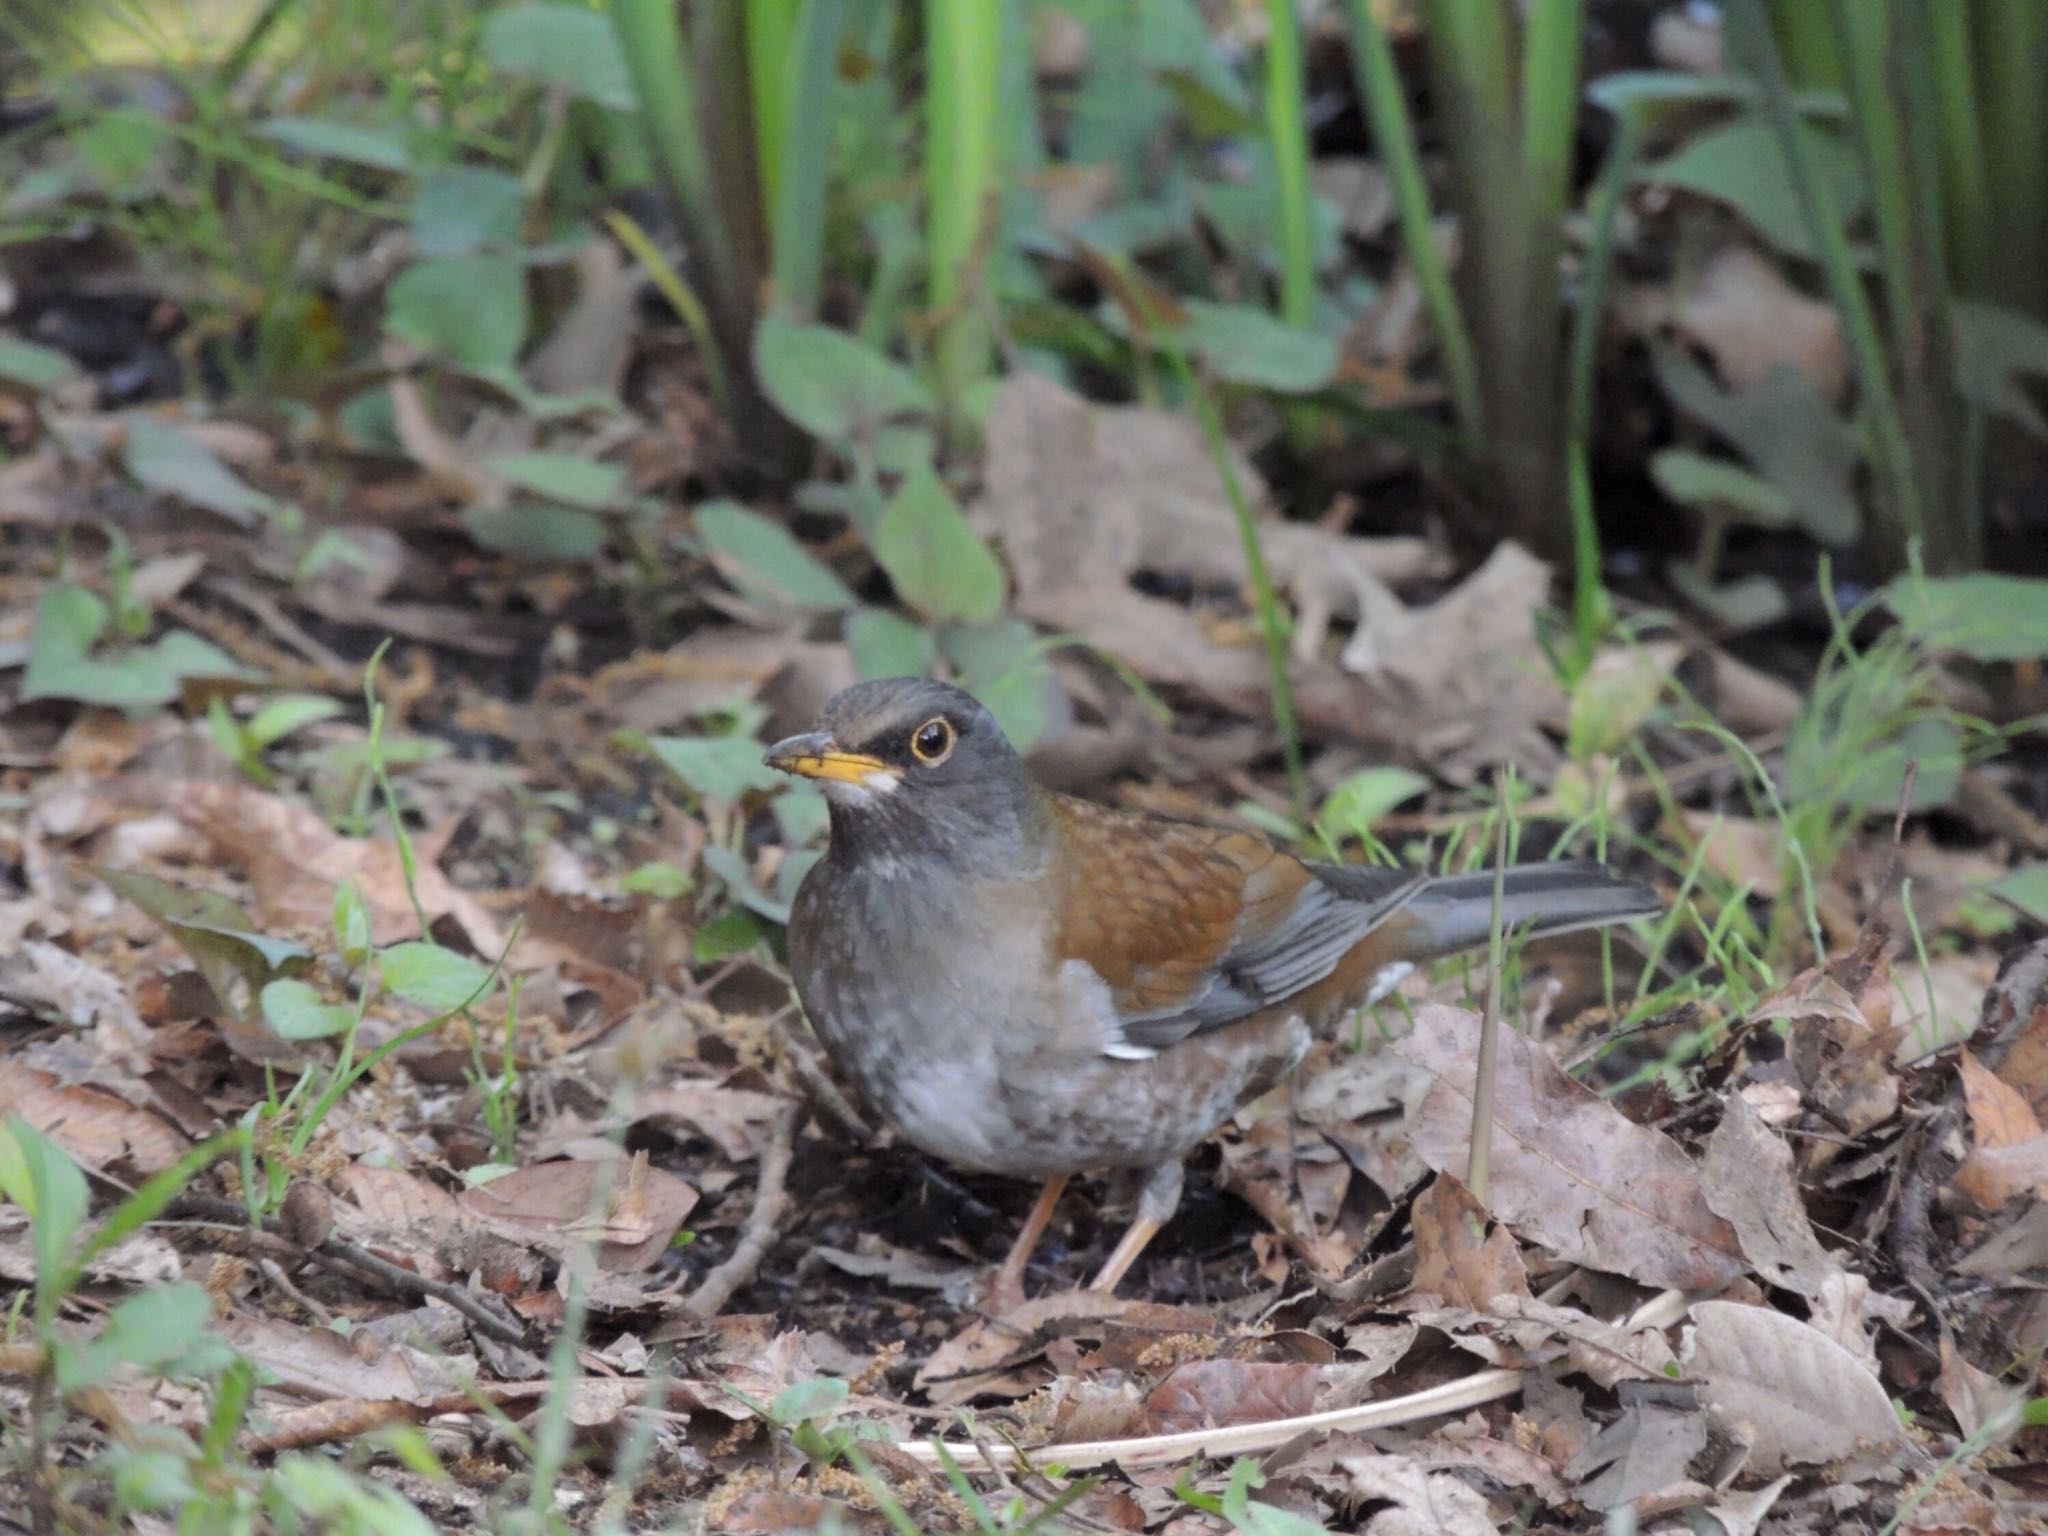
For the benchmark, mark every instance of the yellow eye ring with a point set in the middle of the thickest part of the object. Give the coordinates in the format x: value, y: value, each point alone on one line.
x: 932, y: 742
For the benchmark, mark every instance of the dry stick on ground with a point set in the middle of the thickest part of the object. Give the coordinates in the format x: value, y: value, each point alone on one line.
x: 405, y: 1282
x: 1659, y: 1311
x: 764, y: 1221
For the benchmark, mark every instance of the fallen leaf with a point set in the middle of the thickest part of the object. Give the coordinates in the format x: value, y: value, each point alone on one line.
x: 1738, y: 308
x: 629, y: 1210
x: 96, y: 1128
x: 1453, y: 1260
x: 1972, y: 1397
x: 1644, y: 1451
x: 1201, y: 1394
x: 1570, y: 1170
x: 2000, y: 1115
x: 1993, y: 1175
x: 295, y: 861
x: 1425, y: 1503
x: 1792, y: 1394
x: 320, y: 1363
x: 1747, y: 1176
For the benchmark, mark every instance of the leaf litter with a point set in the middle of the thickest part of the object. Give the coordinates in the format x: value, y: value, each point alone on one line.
x: 1761, y: 1260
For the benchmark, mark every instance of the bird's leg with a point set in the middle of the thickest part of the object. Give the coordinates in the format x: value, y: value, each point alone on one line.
x: 1006, y: 1288
x: 1157, y: 1199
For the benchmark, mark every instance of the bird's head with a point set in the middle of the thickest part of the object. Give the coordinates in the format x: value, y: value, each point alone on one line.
x: 912, y: 766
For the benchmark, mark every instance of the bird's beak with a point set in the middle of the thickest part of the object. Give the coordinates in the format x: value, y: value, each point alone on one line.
x: 818, y: 756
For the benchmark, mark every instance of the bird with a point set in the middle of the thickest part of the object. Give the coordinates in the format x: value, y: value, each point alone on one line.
x: 1025, y: 983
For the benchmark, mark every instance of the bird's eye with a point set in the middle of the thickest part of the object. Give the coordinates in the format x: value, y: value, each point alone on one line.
x: 932, y: 742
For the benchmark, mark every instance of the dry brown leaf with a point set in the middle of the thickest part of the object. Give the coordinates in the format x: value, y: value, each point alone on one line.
x: 1425, y: 1503
x: 295, y: 860
x: 1792, y: 1394
x: 1844, y: 1311
x: 1740, y: 849
x: 96, y: 1128
x: 1644, y: 1452
x: 1201, y: 1394
x: 1747, y: 1177
x: 2026, y: 1064
x: 1740, y: 310
x: 1456, y: 1259
x: 1993, y: 1175
x: 1083, y: 496
x: 630, y: 1209
x: 1570, y: 1170
x: 320, y: 1363
x: 2000, y: 1115
x: 1973, y: 1397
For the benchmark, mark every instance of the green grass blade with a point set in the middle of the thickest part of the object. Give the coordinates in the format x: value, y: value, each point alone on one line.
x: 1749, y: 32
x: 961, y: 107
x: 771, y: 38
x: 799, y: 197
x: 651, y: 36
x: 1379, y: 89
x: 1287, y: 135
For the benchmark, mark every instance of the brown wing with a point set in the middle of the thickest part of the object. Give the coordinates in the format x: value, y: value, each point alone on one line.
x: 1191, y: 927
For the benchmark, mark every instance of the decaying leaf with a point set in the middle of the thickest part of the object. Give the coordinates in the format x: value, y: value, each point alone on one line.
x: 1570, y: 1170
x: 629, y: 1209
x: 1748, y: 1178
x: 1456, y: 1259
x: 1785, y: 1389
x: 1425, y: 1503
x: 1646, y: 1450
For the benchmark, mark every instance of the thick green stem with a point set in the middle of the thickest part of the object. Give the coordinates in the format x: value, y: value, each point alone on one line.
x: 1287, y: 135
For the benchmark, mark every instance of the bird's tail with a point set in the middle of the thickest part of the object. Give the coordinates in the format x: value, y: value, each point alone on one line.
x: 1456, y: 912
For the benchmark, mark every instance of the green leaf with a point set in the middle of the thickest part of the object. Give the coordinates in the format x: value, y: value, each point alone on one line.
x: 1789, y: 434
x: 818, y: 1400
x: 432, y: 976
x: 468, y: 309
x: 376, y: 148
x: 721, y: 768
x: 802, y: 814
x: 172, y: 463
x: 566, y: 478
x: 148, y: 1331
x: 34, y: 367
x: 291, y: 712
x: 1248, y: 346
x: 531, y: 531
x: 459, y: 209
x: 1743, y: 166
x: 763, y: 560
x: 733, y: 873
x: 327, y: 1496
x: 215, y: 932
x: 571, y: 46
x: 1695, y: 480
x: 1356, y: 803
x: 1871, y: 783
x: 40, y: 1177
x: 351, y: 922
x: 2027, y: 889
x: 886, y: 644
x: 659, y: 878
x: 1984, y: 616
x: 1004, y: 666
x: 1995, y: 348
x: 938, y: 563
x: 295, y: 1011
x: 833, y: 385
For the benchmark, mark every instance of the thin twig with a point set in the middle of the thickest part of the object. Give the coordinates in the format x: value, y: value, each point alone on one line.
x: 764, y: 1221
x: 397, y: 1278
x: 824, y: 1093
